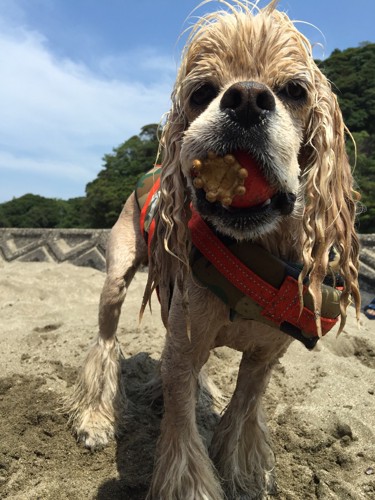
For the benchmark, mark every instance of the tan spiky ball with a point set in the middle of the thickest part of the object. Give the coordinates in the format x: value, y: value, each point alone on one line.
x: 221, y: 177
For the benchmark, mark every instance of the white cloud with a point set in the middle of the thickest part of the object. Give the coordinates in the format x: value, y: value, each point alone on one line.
x: 58, y: 117
x: 60, y: 168
x: 144, y: 62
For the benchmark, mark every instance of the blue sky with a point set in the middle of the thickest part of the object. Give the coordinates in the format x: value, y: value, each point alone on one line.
x: 78, y: 77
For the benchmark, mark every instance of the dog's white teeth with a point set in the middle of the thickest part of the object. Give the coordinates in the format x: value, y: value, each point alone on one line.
x: 266, y: 203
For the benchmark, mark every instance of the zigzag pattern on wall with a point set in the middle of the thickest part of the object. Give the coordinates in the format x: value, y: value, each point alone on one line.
x: 82, y: 247
x: 367, y: 262
x: 86, y: 247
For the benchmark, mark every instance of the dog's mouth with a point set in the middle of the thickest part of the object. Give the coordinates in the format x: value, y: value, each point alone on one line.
x: 233, y: 191
x: 280, y: 202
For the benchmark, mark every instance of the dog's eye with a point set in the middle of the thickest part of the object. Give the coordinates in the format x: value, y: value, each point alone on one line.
x: 293, y: 91
x: 203, y: 95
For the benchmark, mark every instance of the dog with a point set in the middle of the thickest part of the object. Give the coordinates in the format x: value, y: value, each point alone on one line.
x: 249, y: 99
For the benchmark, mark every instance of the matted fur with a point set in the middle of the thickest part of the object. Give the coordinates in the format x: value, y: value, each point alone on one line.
x: 300, y: 145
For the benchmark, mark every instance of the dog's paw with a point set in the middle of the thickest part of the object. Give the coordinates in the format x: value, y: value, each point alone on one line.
x: 263, y: 486
x: 93, y: 429
x: 94, y: 441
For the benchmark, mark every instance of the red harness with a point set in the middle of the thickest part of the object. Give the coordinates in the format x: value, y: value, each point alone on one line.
x: 146, y: 213
x: 279, y: 305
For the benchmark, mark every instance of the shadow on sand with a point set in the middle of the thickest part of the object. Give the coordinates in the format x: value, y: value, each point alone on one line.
x: 135, y: 447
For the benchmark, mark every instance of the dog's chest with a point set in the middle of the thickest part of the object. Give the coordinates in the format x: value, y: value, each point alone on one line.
x: 254, y: 284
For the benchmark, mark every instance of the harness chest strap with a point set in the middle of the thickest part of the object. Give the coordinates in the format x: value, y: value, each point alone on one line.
x: 268, y: 295
x: 279, y: 305
x: 147, y: 196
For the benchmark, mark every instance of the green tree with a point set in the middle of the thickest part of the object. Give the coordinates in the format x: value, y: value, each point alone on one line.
x: 74, y: 214
x: 352, y: 73
x: 31, y: 210
x: 364, y: 174
x: 105, y: 196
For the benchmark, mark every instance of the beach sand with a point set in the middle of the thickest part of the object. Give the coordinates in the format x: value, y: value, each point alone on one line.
x: 320, y: 404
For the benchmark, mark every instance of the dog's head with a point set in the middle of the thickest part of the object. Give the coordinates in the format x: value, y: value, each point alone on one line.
x: 248, y: 90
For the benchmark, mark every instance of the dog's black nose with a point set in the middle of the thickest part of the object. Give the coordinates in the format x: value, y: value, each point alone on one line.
x: 247, y: 103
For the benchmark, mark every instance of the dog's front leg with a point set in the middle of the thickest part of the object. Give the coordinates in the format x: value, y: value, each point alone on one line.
x: 183, y: 470
x: 240, y: 447
x: 98, y: 398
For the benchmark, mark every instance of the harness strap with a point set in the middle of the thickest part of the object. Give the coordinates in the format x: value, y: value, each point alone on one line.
x: 279, y: 304
x: 147, y: 196
x: 255, y: 284
x: 231, y: 268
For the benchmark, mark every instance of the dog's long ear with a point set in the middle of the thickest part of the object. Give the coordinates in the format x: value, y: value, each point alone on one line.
x: 170, y: 248
x: 330, y: 200
x: 174, y: 203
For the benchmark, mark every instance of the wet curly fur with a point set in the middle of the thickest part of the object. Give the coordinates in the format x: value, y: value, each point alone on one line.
x: 247, y: 81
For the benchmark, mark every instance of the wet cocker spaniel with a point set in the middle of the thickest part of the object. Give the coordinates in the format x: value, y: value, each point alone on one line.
x: 250, y: 101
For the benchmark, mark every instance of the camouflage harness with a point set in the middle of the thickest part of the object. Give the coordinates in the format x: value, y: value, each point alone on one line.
x: 252, y: 282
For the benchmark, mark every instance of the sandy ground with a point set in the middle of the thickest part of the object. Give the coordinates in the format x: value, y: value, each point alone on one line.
x: 320, y: 404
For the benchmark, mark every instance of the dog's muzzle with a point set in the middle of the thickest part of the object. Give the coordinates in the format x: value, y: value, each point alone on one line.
x: 234, y: 190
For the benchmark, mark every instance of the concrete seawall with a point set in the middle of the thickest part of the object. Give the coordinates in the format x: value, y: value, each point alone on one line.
x: 82, y: 247
x: 86, y: 247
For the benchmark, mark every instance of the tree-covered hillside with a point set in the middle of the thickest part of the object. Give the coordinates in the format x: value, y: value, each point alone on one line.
x: 32, y: 210
x: 351, y: 72
x: 105, y: 195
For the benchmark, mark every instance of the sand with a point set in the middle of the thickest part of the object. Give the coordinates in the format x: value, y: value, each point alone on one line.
x: 320, y: 404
